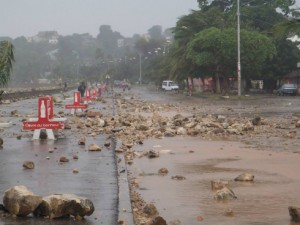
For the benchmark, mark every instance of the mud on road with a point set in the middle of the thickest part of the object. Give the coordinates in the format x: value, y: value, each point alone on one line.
x: 270, y: 150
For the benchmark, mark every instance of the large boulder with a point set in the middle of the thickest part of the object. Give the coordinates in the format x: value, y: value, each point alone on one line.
x: 20, y: 201
x: 64, y: 205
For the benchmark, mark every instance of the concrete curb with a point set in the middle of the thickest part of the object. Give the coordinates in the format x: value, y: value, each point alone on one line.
x: 124, y: 206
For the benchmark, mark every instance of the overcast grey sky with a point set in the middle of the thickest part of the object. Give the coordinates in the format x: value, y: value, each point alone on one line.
x: 28, y: 17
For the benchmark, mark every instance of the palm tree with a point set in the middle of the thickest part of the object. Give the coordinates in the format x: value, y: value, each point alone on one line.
x: 289, y: 27
x: 6, y: 61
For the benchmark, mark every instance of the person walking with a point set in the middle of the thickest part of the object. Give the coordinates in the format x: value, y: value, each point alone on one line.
x: 65, y: 86
x: 81, y: 88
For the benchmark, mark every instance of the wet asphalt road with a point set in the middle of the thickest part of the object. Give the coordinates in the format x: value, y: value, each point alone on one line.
x: 96, y: 180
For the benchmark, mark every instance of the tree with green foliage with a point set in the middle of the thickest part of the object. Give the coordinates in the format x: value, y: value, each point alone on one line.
x: 155, y: 32
x: 289, y: 27
x: 215, y: 50
x: 179, y: 64
x: 189, y: 57
x: 107, y: 40
x: 6, y: 61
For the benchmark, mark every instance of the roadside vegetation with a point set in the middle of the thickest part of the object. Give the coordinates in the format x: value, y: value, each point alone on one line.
x: 203, y: 44
x: 6, y: 61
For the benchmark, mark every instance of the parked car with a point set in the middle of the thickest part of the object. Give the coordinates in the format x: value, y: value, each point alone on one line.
x: 287, y: 89
x: 168, y: 85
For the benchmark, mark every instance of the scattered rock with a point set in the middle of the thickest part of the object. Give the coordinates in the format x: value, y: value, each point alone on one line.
x: 170, y: 132
x: 153, y: 154
x: 82, y: 141
x: 1, y: 141
x: 245, y: 177
x: 159, y: 221
x: 163, y: 171
x: 248, y: 126
x: 93, y: 114
x: 107, y: 144
x: 63, y: 159
x: 298, y: 124
x: 199, y: 218
x: 14, y: 113
x: 119, y: 150
x: 20, y: 201
x: 19, y: 136
x: 178, y: 177
x: 94, y: 147
x: 181, y: 131
x: 117, y: 129
x: 150, y: 210
x: 143, y: 127
x: 75, y: 171
x: 225, y: 194
x: 128, y: 144
x: 221, y: 119
x: 6, y: 101
x: 75, y: 157
x: 28, y: 165
x: 67, y: 126
x: 256, y: 121
x: 121, y: 222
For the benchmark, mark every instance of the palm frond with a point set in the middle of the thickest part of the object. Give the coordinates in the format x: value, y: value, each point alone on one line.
x: 6, y: 61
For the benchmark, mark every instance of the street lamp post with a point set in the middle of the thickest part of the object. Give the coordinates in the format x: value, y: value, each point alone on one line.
x: 239, y: 48
x: 140, y: 68
x: 77, y: 62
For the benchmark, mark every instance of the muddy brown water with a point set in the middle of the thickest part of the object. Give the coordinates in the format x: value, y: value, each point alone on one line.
x: 271, y: 157
x: 263, y: 202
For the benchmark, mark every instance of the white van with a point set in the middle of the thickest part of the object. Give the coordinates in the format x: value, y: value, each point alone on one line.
x: 168, y: 85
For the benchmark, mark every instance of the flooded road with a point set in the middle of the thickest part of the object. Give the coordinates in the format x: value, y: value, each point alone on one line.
x: 191, y: 201
x: 96, y: 180
x: 271, y: 153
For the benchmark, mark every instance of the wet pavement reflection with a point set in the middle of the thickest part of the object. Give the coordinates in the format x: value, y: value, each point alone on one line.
x: 96, y: 180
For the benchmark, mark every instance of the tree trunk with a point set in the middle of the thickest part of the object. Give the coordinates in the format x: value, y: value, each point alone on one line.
x: 217, y: 83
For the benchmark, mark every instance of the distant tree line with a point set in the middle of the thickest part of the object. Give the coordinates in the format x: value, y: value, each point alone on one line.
x: 202, y: 44
x: 81, y: 56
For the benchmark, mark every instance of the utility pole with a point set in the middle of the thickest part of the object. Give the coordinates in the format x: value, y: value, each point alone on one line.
x: 239, y: 48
